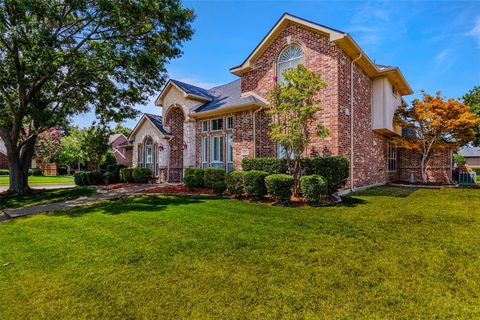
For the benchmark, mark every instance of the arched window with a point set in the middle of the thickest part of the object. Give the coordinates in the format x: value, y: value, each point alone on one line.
x: 148, y: 153
x: 289, y: 58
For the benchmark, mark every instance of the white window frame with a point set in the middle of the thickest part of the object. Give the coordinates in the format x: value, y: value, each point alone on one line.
x: 148, y: 153
x: 229, y: 152
x: 281, y: 151
x: 204, y: 152
x: 288, y: 59
x: 229, y: 122
x: 204, y: 125
x: 217, y: 119
x: 392, y: 157
x: 216, y: 156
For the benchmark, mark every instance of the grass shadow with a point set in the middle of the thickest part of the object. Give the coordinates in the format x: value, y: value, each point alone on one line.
x: 350, y: 202
x: 387, y: 191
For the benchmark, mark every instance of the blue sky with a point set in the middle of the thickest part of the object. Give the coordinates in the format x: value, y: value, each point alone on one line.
x: 436, y: 44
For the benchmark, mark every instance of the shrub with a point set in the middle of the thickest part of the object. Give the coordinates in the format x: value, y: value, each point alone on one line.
x: 35, y: 172
x: 62, y: 171
x: 279, y: 186
x: 213, y: 175
x: 334, y: 170
x: 115, y: 170
x: 219, y: 187
x: 78, y: 179
x: 4, y: 172
x: 108, y: 177
x: 141, y: 174
x: 196, y: 177
x: 235, y: 182
x: 126, y: 175
x: 83, y: 178
x: 476, y: 169
x: 313, y: 187
x: 93, y: 177
x: 190, y: 181
x: 270, y: 165
x: 254, y: 183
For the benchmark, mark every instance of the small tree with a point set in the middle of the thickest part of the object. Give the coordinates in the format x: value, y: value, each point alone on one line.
x: 294, y: 104
x: 436, y: 123
x: 95, y: 144
x: 71, y: 153
x: 48, y: 146
x: 120, y: 128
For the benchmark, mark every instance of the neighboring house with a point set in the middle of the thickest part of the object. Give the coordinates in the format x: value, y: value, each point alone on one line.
x: 221, y: 126
x: 471, y: 155
x: 123, y: 155
x: 3, y: 155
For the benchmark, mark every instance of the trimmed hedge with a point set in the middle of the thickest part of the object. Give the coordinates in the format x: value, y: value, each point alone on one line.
x: 313, y: 187
x: 126, y: 175
x: 213, y: 175
x: 88, y: 178
x: 141, y: 174
x: 335, y: 171
x: 35, y: 172
x: 235, y: 182
x: 78, y: 179
x: 254, y: 183
x: 270, y: 165
x: 280, y: 186
x: 4, y: 172
x: 196, y: 178
x: 108, y: 177
x: 219, y: 187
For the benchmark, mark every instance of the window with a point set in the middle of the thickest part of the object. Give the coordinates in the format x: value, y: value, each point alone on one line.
x: 204, y: 152
x: 392, y: 157
x: 155, y: 160
x: 230, y: 123
x: 281, y: 151
x: 216, y: 149
x: 148, y: 154
x: 229, y: 152
x: 204, y: 126
x: 291, y: 57
x: 140, y: 156
x: 217, y: 124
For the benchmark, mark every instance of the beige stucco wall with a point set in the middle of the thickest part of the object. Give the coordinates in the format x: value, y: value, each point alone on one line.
x: 384, y: 105
x: 148, y: 129
x: 176, y: 97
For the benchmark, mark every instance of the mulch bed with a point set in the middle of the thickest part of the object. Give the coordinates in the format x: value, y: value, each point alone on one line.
x: 119, y: 185
x: 176, y: 189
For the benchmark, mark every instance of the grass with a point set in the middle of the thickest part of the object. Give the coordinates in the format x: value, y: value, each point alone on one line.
x: 41, y: 181
x: 43, y: 197
x: 385, y: 253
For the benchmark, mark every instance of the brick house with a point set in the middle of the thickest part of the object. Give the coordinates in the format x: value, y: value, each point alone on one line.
x: 3, y: 155
x: 123, y: 154
x: 221, y: 126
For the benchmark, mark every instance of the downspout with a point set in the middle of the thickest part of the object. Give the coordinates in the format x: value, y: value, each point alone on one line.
x: 255, y: 131
x: 352, y: 153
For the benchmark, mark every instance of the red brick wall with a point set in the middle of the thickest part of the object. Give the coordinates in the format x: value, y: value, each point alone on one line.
x: 126, y: 160
x: 175, y: 120
x: 3, y: 161
x: 439, y: 169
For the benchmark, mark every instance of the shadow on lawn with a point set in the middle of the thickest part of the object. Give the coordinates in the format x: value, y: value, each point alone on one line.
x: 136, y: 204
x: 387, y: 191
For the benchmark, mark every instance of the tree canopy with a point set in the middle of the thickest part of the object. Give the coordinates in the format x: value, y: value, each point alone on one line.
x: 62, y: 58
x: 472, y: 99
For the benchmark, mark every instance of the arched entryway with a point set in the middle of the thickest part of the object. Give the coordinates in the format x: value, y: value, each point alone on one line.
x: 175, y: 119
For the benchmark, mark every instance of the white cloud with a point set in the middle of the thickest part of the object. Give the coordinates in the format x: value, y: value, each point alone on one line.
x: 475, y: 32
x: 443, y: 61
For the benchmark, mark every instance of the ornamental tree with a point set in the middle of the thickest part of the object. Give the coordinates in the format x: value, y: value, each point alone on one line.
x: 61, y: 58
x: 294, y: 103
x: 71, y: 153
x: 436, y: 123
x: 48, y: 146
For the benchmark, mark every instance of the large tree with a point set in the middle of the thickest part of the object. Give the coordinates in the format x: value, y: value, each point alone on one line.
x: 472, y: 99
x: 60, y: 58
x: 436, y: 122
x: 294, y: 103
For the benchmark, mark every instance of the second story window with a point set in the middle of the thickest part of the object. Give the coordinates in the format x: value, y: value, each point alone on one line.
x: 217, y: 124
x: 291, y: 57
x: 204, y: 125
x: 230, y: 123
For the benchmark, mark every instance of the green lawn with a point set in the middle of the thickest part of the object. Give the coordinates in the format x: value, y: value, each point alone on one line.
x: 41, y: 181
x: 47, y: 196
x: 386, y: 253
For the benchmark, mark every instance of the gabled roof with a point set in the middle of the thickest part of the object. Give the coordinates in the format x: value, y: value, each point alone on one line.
x: 155, y: 120
x: 114, y: 137
x: 342, y: 39
x: 189, y: 91
x: 228, y: 95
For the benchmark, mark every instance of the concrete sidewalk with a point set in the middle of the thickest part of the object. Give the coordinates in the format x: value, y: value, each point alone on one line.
x: 46, y: 187
x: 65, y: 205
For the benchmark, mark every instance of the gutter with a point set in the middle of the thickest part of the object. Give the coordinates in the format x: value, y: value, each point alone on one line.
x: 352, y: 153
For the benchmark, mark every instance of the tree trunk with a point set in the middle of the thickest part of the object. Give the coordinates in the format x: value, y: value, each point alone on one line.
x: 19, y: 162
x: 423, y: 168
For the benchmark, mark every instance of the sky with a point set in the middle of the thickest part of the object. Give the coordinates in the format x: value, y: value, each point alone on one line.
x: 436, y: 44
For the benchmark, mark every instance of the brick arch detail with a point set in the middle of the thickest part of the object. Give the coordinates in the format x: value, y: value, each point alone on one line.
x: 174, y: 119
